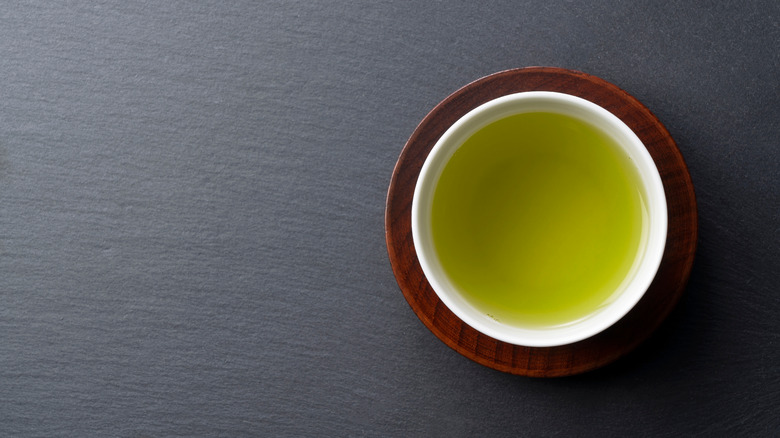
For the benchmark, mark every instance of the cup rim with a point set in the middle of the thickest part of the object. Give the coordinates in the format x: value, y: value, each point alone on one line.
x: 591, y: 113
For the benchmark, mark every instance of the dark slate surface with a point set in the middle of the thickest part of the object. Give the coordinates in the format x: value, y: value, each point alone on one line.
x: 191, y: 217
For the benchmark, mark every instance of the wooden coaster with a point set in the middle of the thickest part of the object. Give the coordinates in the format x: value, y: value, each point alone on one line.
x: 591, y: 353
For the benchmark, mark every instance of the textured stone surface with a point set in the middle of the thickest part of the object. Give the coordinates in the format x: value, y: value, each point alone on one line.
x: 191, y: 217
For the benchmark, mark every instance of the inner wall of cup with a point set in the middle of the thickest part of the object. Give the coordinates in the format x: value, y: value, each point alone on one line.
x: 621, y: 301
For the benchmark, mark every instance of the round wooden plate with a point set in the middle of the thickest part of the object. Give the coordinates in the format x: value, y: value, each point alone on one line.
x: 591, y: 353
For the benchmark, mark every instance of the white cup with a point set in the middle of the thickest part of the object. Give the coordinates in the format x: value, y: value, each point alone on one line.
x: 647, y: 259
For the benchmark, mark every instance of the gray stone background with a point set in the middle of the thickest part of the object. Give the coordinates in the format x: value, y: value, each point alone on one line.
x: 191, y: 217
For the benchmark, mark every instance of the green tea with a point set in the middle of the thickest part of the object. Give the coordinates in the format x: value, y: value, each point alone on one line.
x: 537, y: 219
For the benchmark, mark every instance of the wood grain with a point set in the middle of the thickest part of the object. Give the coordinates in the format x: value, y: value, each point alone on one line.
x: 608, y: 345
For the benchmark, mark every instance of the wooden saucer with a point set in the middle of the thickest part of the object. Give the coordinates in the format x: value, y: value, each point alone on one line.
x: 591, y: 353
